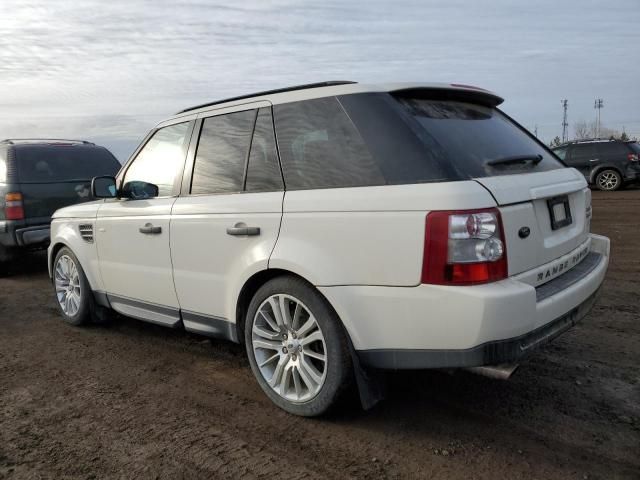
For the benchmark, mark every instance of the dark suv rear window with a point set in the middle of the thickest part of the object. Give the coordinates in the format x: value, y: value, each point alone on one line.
x: 471, y: 136
x: 60, y: 163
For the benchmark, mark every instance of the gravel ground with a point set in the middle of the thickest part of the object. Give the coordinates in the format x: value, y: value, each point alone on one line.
x: 133, y: 400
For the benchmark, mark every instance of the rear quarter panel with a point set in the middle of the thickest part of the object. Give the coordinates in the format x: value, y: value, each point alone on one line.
x: 367, y: 235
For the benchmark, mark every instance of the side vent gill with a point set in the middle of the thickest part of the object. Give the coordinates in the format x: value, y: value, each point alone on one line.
x: 86, y: 232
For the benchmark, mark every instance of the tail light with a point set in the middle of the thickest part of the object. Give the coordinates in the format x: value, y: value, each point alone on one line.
x: 632, y: 157
x: 464, y: 248
x: 13, y: 207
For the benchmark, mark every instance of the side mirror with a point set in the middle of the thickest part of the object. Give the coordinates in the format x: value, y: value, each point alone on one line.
x: 138, y: 190
x: 104, y: 187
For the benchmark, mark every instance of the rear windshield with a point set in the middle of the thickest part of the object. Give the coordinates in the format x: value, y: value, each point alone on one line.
x: 472, y: 137
x: 635, y: 146
x: 44, y: 164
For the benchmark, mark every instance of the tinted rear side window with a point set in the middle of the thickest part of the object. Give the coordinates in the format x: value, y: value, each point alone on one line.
x: 45, y: 164
x: 321, y: 148
x: 635, y: 147
x: 614, y: 149
x: 469, y: 136
x: 222, y: 153
x: 263, y: 171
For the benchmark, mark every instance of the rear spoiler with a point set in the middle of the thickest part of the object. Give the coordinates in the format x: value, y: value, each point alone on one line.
x: 461, y: 93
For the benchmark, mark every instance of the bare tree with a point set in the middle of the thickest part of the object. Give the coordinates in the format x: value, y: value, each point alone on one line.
x: 582, y: 130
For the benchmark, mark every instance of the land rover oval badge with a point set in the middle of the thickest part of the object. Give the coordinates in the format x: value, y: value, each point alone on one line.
x: 524, y: 232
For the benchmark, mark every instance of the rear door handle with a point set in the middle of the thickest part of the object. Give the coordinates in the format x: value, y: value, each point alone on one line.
x: 149, y: 229
x: 243, y: 231
x: 594, y: 159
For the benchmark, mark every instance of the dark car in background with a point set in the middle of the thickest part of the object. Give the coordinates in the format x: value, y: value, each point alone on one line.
x: 39, y: 176
x: 606, y: 164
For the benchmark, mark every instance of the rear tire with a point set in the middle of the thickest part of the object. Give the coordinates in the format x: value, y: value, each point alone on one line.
x: 608, y: 180
x: 73, y: 294
x: 297, y: 347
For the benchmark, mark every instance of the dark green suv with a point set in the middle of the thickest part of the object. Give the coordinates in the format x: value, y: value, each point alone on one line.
x: 39, y: 176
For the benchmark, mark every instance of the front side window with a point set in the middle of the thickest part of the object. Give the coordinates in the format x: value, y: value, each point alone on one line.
x: 561, y: 152
x: 222, y: 153
x: 161, y: 160
x: 321, y: 148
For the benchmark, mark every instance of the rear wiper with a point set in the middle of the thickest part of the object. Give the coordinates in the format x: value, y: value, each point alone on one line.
x: 534, y: 159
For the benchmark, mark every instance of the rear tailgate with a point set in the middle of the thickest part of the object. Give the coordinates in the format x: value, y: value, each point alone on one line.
x: 42, y: 199
x: 56, y: 175
x: 553, y: 206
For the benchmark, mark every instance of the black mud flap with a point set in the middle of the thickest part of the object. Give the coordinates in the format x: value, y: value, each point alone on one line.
x: 372, y: 387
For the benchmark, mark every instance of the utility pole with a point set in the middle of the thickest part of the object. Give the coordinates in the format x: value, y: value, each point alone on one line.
x: 598, y: 104
x: 565, y: 124
x: 535, y: 131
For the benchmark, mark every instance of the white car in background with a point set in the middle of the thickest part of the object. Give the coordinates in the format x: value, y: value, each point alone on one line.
x: 339, y: 226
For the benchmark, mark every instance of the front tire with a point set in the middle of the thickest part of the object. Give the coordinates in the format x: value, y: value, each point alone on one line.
x: 608, y: 180
x: 297, y: 347
x: 74, y: 297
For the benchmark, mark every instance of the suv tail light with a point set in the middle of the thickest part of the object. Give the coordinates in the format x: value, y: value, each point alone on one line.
x: 13, y: 207
x: 632, y: 157
x: 464, y: 248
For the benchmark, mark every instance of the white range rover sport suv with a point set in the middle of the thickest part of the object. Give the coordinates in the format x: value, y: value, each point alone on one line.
x: 339, y: 228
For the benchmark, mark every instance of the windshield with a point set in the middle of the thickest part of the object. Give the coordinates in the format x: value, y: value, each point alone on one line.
x: 479, y: 141
x: 54, y: 163
x: 635, y: 146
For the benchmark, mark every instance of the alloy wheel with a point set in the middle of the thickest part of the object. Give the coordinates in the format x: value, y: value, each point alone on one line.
x: 608, y: 180
x: 67, y: 281
x: 289, y: 348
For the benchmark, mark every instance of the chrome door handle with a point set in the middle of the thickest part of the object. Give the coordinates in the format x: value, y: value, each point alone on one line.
x: 243, y: 231
x: 149, y: 229
x: 594, y: 159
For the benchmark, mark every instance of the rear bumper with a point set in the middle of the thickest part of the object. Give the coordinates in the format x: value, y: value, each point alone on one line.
x: 491, y: 353
x: 14, y: 234
x: 432, y: 326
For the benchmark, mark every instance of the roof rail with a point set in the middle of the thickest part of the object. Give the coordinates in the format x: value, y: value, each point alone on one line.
x: 329, y: 83
x: 14, y: 141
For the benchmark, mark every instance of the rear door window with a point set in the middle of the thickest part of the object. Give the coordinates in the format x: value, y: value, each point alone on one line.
x: 471, y: 137
x: 263, y: 170
x: 63, y: 163
x: 222, y: 153
x: 584, y: 152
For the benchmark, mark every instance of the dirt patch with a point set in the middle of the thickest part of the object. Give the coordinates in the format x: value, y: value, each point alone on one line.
x: 138, y: 401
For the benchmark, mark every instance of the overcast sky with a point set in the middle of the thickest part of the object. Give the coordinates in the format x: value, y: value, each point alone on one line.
x: 109, y: 70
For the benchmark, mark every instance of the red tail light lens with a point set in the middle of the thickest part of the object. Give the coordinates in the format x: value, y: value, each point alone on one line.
x: 13, y: 207
x: 464, y: 248
x: 632, y: 157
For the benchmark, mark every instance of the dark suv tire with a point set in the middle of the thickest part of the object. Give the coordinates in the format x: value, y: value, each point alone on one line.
x: 608, y: 180
x: 297, y: 347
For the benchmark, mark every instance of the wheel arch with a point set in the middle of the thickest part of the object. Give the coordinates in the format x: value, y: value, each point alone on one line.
x: 253, y: 283
x: 600, y: 168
